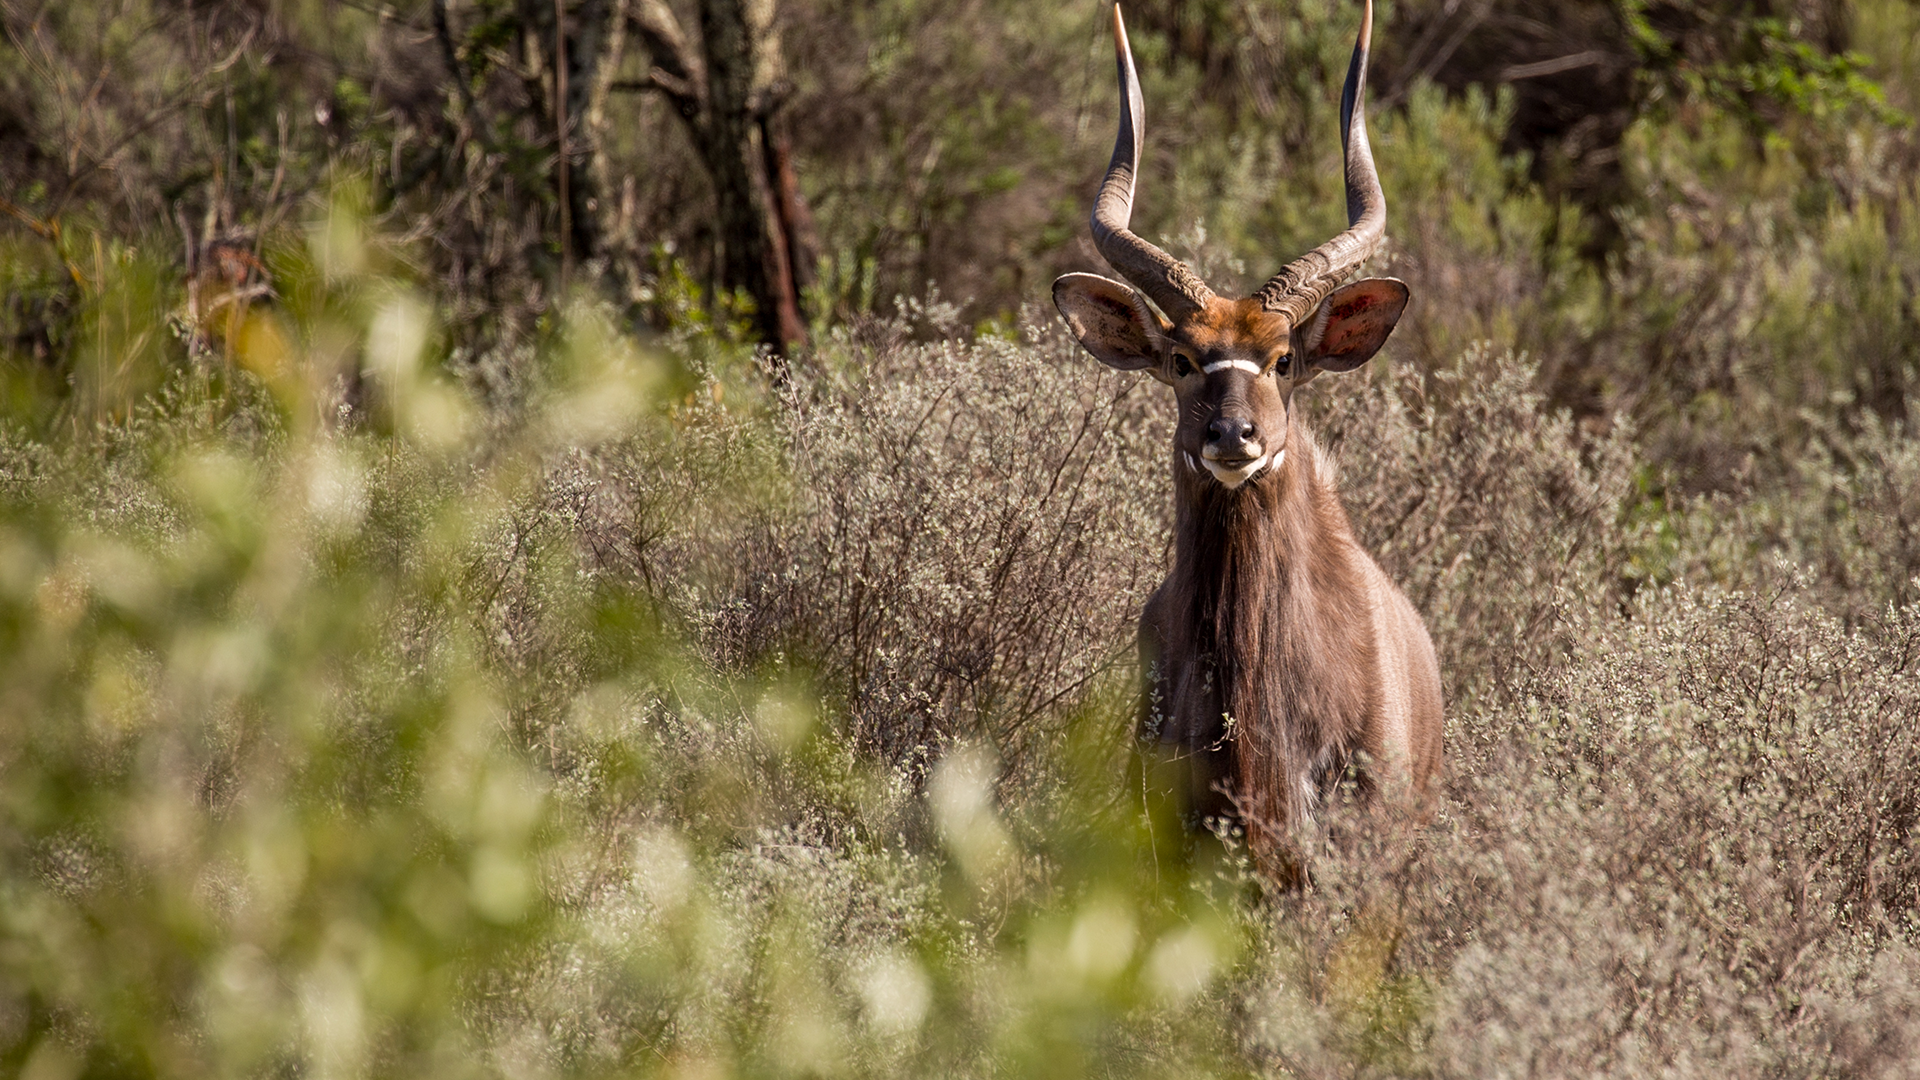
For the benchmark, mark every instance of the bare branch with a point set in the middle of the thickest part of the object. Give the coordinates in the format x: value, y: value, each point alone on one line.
x: 1542, y: 68
x: 658, y: 81
x: 677, y: 71
x: 443, y: 32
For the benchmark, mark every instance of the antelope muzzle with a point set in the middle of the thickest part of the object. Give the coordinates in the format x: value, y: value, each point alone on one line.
x: 1234, y: 451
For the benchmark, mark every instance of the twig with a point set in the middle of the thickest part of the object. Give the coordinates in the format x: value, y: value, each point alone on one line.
x: 48, y: 230
x: 560, y: 136
x: 469, y: 108
x: 1541, y: 68
x: 141, y: 128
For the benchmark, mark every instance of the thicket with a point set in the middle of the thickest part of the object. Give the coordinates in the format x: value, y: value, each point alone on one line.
x: 432, y: 643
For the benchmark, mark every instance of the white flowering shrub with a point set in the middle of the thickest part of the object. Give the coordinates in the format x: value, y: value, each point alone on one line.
x: 657, y: 724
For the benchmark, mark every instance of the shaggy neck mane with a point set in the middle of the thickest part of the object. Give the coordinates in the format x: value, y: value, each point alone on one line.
x: 1268, y: 593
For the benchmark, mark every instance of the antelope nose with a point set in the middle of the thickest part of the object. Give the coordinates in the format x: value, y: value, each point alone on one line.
x: 1229, y: 430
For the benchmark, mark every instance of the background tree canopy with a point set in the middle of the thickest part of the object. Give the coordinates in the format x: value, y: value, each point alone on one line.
x: 561, y: 537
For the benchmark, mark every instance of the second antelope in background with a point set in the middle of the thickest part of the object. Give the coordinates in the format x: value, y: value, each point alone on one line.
x: 1273, y: 615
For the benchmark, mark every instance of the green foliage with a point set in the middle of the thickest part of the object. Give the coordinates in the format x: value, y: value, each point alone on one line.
x: 348, y: 737
x: 1767, y: 69
x: 653, y: 724
x: 259, y: 806
x: 405, y: 671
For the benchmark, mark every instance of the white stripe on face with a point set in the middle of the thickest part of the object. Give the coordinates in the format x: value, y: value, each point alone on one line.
x: 1247, y: 366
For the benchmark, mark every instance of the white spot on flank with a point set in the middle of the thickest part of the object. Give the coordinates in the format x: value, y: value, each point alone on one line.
x: 1221, y: 365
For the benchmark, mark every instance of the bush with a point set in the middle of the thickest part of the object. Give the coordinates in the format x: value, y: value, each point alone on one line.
x: 1697, y: 854
x: 397, y: 682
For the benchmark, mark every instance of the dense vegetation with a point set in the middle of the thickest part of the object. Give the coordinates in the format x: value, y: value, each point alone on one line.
x: 448, y: 627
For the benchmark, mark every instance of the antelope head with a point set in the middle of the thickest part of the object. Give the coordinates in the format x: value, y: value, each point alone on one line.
x: 1234, y: 364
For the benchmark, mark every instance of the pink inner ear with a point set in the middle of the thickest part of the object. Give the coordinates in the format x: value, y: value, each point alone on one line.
x: 1354, y: 306
x: 1351, y: 325
x: 1359, y: 318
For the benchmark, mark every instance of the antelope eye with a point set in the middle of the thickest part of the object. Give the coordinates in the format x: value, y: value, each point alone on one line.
x: 1283, y: 366
x: 1182, y: 366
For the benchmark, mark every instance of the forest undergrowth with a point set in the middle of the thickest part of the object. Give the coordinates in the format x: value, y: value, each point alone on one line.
x: 669, y: 726
x: 425, y: 653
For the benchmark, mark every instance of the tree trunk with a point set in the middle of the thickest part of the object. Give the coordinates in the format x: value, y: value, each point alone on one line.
x: 593, y: 45
x: 729, y: 96
x: 755, y: 253
x: 796, y: 218
x: 584, y: 35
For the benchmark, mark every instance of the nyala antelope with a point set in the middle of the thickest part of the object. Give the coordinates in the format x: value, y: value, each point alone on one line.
x: 1278, y: 656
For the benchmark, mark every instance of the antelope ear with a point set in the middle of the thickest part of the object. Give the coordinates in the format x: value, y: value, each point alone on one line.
x: 1110, y: 320
x: 1351, y: 325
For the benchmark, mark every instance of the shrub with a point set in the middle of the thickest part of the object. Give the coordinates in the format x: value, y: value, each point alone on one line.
x: 656, y: 723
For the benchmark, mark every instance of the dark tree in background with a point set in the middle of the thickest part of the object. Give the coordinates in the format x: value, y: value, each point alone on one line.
x: 730, y: 94
x: 728, y: 85
x: 649, y: 153
x: 1579, y: 78
x: 563, y: 51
